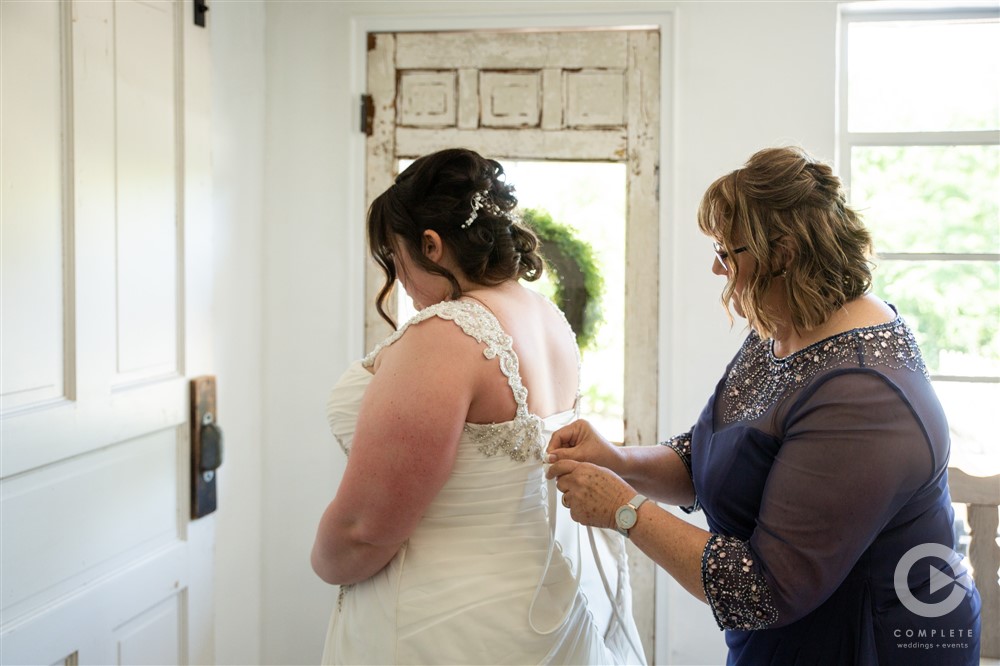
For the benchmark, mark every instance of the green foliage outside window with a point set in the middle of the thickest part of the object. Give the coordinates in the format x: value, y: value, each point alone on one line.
x: 937, y: 200
x: 575, y: 274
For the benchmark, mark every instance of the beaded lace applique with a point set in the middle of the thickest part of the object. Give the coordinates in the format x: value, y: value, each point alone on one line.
x: 681, y: 445
x: 341, y: 593
x: 521, y: 438
x: 758, y: 380
x: 739, y: 595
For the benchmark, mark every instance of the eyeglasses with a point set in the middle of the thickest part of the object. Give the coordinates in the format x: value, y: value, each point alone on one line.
x: 722, y: 255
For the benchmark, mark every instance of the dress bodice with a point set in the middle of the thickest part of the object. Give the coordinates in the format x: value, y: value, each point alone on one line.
x: 520, y: 438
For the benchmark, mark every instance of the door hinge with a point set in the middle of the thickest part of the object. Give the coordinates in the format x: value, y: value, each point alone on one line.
x: 200, y: 8
x: 367, y: 114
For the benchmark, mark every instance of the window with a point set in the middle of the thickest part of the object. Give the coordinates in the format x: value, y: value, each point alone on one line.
x: 919, y: 128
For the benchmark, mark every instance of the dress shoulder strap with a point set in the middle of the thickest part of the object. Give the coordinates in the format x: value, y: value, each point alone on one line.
x: 477, y: 322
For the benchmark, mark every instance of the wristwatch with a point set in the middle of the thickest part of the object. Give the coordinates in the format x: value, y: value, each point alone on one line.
x: 626, y: 516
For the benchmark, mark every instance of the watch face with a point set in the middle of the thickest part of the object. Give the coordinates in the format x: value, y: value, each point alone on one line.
x: 625, y: 517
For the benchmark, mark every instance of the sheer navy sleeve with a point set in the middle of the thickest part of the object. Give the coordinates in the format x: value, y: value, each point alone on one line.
x: 853, y: 452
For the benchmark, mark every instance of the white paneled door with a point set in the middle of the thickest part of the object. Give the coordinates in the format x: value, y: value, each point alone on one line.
x: 591, y: 95
x: 104, y: 166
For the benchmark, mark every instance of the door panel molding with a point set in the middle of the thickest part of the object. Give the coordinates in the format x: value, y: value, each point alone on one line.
x: 606, y: 48
x: 37, y: 308
x: 85, y: 491
x: 70, y: 624
x: 606, y: 145
x: 146, y: 194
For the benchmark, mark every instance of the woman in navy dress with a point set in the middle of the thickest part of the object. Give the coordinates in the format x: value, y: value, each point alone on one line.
x: 820, y: 460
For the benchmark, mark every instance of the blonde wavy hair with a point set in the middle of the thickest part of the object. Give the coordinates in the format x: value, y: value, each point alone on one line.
x: 791, y: 213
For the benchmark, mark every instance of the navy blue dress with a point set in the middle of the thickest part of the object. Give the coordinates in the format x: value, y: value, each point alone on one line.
x: 819, y: 474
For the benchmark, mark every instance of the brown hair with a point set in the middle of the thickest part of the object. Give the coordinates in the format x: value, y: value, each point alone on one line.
x: 436, y: 192
x: 791, y: 213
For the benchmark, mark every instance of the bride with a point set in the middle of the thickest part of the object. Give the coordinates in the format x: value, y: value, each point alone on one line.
x: 447, y: 542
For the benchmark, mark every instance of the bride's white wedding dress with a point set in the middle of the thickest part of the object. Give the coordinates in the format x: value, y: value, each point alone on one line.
x: 495, y: 573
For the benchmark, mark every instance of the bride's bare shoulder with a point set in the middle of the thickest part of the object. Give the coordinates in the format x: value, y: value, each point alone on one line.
x: 430, y: 340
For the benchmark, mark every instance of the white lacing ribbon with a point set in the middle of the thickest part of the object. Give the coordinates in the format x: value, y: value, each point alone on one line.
x: 548, y: 562
x: 613, y: 597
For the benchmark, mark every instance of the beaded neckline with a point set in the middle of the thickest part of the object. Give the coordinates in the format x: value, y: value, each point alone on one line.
x: 827, y: 340
x: 758, y: 379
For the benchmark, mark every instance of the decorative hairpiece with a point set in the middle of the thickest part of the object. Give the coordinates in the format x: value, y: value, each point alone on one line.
x: 482, y: 200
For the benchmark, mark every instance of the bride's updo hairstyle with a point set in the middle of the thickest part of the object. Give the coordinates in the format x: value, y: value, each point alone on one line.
x: 443, y: 191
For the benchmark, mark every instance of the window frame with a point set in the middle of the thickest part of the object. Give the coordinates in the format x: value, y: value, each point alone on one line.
x: 867, y: 12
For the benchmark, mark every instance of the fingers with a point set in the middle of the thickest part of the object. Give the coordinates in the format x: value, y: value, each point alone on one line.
x: 559, y: 468
x: 562, y: 438
x: 591, y: 493
x: 568, y: 436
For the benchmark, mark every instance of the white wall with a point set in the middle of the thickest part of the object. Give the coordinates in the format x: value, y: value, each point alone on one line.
x: 238, y: 156
x: 749, y: 75
x: 308, y: 317
x: 746, y: 75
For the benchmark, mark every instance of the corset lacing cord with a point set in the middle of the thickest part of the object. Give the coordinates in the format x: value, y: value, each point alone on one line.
x: 548, y: 562
x: 611, y: 597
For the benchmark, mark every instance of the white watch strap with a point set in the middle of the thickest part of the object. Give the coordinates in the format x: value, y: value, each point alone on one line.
x: 635, y: 503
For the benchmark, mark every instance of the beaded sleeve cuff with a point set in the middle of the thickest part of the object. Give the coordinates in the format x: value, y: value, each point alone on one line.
x: 681, y: 444
x: 736, y: 591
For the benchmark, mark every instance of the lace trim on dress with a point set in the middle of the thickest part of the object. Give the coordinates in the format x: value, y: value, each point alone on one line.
x: 463, y: 313
x: 341, y: 593
x: 520, y: 438
x: 681, y: 445
x: 738, y: 594
x: 758, y: 380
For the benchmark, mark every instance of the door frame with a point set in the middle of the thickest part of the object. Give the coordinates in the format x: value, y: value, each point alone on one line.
x: 651, y: 614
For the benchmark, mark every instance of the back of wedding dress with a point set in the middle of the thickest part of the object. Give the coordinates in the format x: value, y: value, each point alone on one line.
x: 495, y: 572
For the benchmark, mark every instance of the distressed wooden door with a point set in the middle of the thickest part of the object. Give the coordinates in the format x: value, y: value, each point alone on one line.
x: 105, y: 176
x: 578, y: 95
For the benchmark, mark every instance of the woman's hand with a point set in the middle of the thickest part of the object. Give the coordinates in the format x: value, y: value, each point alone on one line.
x: 580, y: 442
x: 592, y: 494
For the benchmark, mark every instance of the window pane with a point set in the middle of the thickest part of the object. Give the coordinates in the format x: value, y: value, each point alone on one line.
x: 940, y: 199
x: 953, y: 308
x: 970, y: 410
x: 920, y: 76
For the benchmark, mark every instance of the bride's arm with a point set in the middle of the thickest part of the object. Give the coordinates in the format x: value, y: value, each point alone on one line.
x: 409, y: 425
